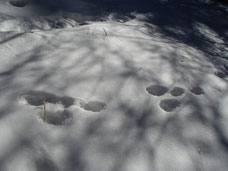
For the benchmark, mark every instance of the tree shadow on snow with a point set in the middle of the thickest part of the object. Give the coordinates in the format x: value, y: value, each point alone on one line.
x: 139, y: 131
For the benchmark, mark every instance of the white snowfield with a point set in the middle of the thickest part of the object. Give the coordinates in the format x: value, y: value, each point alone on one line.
x: 117, y: 96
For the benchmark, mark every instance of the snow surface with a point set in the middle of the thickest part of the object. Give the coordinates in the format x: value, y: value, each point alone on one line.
x: 119, y: 94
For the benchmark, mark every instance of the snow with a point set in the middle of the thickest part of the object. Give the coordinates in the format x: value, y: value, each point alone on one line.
x: 119, y: 94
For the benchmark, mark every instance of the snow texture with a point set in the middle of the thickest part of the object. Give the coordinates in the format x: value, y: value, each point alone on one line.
x: 125, y: 85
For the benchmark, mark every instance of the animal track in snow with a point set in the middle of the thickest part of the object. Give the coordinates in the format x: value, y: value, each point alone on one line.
x: 157, y: 90
x: 197, y: 91
x: 177, y: 91
x: 56, y: 107
x: 94, y: 106
x: 169, y: 105
x: 18, y: 3
x: 58, y: 118
x: 36, y: 98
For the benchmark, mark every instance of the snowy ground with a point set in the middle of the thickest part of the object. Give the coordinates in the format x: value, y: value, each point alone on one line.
x: 120, y: 95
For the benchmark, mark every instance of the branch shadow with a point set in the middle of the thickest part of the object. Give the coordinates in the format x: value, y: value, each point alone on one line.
x: 101, y: 139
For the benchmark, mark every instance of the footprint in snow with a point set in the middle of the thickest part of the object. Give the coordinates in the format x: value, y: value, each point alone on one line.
x: 37, y: 98
x: 59, y: 118
x: 56, y: 107
x: 169, y: 105
x: 19, y: 3
x: 197, y: 91
x: 177, y: 91
x: 94, y: 106
x: 157, y: 90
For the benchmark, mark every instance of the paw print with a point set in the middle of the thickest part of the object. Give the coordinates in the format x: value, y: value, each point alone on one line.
x: 55, y: 109
x: 171, y: 104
